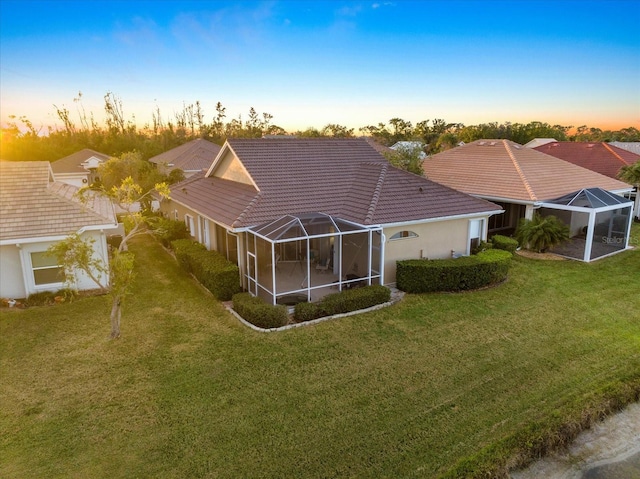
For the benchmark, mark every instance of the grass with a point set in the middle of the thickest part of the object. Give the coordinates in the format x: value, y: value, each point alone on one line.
x: 437, y: 384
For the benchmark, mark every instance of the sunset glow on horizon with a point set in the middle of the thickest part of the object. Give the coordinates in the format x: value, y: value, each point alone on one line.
x: 309, y: 64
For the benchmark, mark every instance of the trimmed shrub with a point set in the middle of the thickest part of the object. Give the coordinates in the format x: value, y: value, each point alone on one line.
x: 210, y: 268
x: 459, y: 274
x: 259, y: 313
x: 342, y: 302
x: 44, y: 298
x: 167, y: 231
x: 184, y: 249
x: 505, y: 243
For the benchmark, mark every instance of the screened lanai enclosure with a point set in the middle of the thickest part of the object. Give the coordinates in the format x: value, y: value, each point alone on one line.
x: 303, y: 258
x: 599, y: 223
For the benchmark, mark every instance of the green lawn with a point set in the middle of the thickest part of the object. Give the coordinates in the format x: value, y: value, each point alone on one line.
x: 406, y: 391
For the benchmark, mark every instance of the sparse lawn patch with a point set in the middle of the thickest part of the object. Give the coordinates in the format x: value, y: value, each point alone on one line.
x: 406, y: 391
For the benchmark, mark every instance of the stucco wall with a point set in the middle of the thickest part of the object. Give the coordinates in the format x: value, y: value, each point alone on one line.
x: 11, y: 280
x: 16, y: 271
x: 435, y: 240
x: 175, y: 211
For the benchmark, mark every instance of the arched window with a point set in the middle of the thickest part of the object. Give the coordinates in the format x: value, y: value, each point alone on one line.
x: 403, y: 234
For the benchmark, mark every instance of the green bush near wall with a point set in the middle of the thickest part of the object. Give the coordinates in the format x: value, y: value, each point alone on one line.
x: 460, y: 274
x: 210, y: 268
x: 504, y: 243
x: 167, y: 231
x: 258, y: 312
x: 342, y: 302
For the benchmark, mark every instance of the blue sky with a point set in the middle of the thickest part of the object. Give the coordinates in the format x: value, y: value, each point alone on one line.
x: 312, y: 63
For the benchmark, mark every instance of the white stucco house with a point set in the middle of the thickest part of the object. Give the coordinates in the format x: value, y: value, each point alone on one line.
x: 36, y: 211
x: 80, y: 168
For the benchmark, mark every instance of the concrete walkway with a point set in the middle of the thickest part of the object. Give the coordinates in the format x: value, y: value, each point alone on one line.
x: 609, y: 450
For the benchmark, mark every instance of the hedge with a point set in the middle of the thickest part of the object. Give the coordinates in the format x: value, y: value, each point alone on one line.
x: 504, y: 243
x: 459, y: 274
x: 342, y: 302
x: 259, y: 313
x: 167, y: 231
x: 210, y: 268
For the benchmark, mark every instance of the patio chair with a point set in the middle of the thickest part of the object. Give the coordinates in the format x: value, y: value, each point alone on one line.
x: 323, y: 266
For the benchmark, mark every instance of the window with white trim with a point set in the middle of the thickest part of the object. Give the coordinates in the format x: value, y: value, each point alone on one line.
x: 175, y: 215
x: 46, y: 269
x: 188, y: 220
x: 403, y: 235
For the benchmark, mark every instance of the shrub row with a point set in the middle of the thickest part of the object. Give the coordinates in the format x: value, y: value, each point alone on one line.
x: 167, y: 231
x: 460, y: 274
x: 504, y: 243
x: 258, y: 312
x: 210, y: 268
x: 342, y: 302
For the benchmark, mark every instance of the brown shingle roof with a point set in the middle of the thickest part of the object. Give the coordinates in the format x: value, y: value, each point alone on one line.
x: 194, y: 155
x: 599, y: 157
x: 33, y: 205
x: 504, y: 169
x: 341, y: 177
x: 72, y: 163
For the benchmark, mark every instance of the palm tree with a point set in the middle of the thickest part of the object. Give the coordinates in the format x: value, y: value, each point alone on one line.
x: 541, y: 233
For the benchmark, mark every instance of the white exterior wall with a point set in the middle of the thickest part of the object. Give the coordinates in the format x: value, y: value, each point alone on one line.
x: 11, y: 277
x: 78, y: 180
x: 16, y: 271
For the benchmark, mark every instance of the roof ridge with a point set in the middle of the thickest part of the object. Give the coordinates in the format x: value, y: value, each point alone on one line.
x: 245, y: 212
x: 516, y: 164
x: 376, y: 193
x: 614, y: 153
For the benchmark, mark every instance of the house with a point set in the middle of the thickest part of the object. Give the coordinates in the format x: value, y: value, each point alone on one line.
x: 522, y: 181
x: 80, y: 168
x: 308, y: 216
x: 539, y: 142
x: 37, y: 211
x: 410, y: 146
x: 192, y: 157
x: 632, y: 146
x: 604, y: 158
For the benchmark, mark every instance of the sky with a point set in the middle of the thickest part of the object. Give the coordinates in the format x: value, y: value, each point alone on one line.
x: 307, y: 63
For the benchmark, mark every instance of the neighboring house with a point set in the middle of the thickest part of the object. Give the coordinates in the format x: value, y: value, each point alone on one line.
x: 539, y: 142
x: 79, y: 169
x: 601, y: 157
x: 521, y: 180
x: 305, y: 217
x: 192, y: 157
x: 632, y: 146
x: 36, y: 212
x: 410, y: 146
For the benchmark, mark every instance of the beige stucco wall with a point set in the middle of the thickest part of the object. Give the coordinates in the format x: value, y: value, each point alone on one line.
x: 435, y: 240
x: 175, y: 211
x: 230, y: 168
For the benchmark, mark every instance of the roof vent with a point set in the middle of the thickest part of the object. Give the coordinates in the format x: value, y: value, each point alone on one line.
x: 482, y: 143
x: 420, y: 189
x: 590, y: 145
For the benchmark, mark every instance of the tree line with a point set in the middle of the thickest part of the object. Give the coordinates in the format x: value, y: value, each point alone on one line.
x: 118, y: 134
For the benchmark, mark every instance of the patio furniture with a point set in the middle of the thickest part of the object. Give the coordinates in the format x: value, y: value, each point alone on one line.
x: 323, y: 266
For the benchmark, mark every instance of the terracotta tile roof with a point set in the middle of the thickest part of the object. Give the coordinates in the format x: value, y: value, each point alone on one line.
x: 33, y: 205
x: 599, y: 157
x: 194, y: 155
x: 504, y: 169
x: 341, y: 177
x: 72, y: 163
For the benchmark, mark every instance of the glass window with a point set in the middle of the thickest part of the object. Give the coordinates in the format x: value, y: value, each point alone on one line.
x: 403, y: 234
x: 46, y: 269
